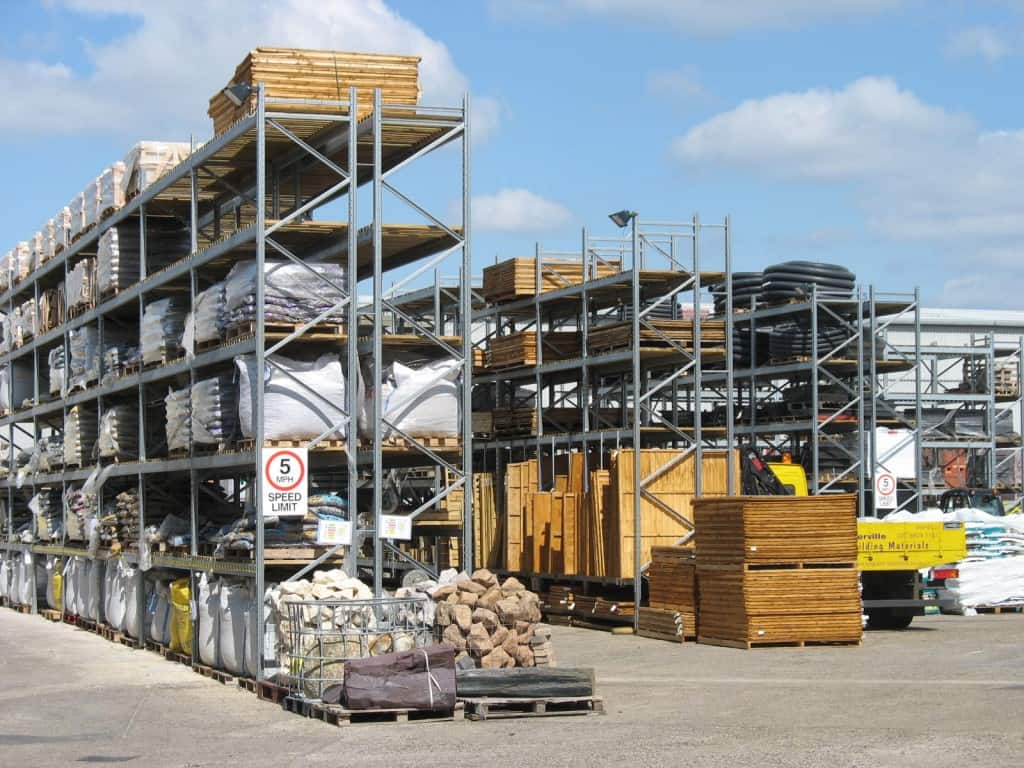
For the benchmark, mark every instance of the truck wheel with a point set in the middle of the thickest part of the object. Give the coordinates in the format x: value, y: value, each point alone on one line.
x: 886, y: 620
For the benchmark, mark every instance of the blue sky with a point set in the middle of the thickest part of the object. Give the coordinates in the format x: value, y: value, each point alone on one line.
x: 887, y: 135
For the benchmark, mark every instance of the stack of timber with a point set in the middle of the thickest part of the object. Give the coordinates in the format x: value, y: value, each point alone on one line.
x: 672, y: 589
x: 577, y: 530
x: 517, y: 278
x: 515, y: 350
x: 524, y: 421
x: 778, y: 571
x: 486, y: 535
x: 657, y: 333
x: 295, y: 73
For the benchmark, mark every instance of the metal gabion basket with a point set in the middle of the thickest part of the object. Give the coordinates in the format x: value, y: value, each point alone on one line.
x: 324, y: 634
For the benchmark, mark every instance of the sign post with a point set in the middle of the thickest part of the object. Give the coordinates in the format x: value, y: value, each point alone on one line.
x: 285, y: 482
x: 885, y: 490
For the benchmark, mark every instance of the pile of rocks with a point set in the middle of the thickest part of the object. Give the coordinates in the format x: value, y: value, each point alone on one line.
x: 493, y: 624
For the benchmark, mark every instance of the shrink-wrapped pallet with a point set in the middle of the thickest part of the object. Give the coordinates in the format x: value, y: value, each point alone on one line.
x: 163, y: 323
x: 298, y: 405
x: 214, y: 405
x: 22, y: 261
x: 210, y: 316
x: 117, y: 357
x: 6, y: 270
x: 76, y: 216
x: 55, y: 362
x: 84, y: 363
x: 147, y: 161
x: 49, y: 240
x: 114, y: 273
x: 119, y: 433
x: 111, y: 188
x: 292, y: 292
x: 81, y: 285
x: 80, y: 427
x: 36, y: 251
x: 178, y: 419
x: 91, y: 203
x: 62, y: 229
x: 24, y: 324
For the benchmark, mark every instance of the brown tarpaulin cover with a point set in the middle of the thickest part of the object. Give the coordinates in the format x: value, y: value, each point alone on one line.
x: 423, y: 678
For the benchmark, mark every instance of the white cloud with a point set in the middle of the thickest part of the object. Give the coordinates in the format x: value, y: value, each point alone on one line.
x: 917, y: 172
x: 682, y: 84
x: 518, y: 210
x: 156, y: 79
x: 986, y: 42
x: 702, y: 16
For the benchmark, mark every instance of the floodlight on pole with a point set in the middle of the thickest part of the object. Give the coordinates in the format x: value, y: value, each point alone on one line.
x: 238, y: 93
x: 622, y: 218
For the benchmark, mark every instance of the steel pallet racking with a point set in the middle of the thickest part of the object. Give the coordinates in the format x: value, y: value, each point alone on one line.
x: 633, y: 394
x: 253, y: 192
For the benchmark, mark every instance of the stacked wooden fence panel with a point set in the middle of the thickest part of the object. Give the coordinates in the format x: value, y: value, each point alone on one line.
x: 777, y: 571
x: 514, y: 350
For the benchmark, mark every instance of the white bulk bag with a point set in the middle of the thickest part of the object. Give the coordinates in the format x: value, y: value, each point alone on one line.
x: 51, y: 598
x: 5, y: 578
x: 208, y: 605
x: 234, y: 613
x: 160, y: 614
x: 131, y: 622
x: 93, y: 579
x: 25, y: 580
x: 115, y: 603
x: 291, y: 411
x: 69, y: 588
x: 423, y: 402
x: 83, y: 589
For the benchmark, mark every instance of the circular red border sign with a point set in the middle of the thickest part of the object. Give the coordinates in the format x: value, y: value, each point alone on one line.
x: 890, y: 485
x: 273, y: 458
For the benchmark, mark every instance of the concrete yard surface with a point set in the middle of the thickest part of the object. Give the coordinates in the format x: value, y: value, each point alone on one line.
x: 947, y: 692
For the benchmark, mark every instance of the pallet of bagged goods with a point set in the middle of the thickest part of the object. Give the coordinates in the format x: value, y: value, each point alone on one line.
x: 777, y: 571
x: 312, y: 75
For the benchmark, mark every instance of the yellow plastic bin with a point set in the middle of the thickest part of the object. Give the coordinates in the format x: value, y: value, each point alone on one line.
x: 181, y: 623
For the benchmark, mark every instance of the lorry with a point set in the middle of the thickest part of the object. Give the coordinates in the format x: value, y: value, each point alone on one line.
x: 890, y: 556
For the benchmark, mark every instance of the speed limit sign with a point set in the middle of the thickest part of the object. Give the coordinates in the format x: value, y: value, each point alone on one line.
x: 285, y: 482
x: 885, y: 490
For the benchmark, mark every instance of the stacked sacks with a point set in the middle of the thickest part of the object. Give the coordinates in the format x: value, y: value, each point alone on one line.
x: 797, y: 279
x: 492, y: 624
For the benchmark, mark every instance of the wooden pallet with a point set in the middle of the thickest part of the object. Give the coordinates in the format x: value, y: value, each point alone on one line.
x: 206, y: 346
x: 517, y: 278
x: 130, y: 369
x: 998, y: 609
x: 516, y: 350
x: 400, y: 443
x: 339, y: 716
x: 49, y: 614
x: 78, y: 310
x: 249, y: 444
x: 272, y: 692
x: 164, y: 360
x: 752, y: 644
x: 495, y: 709
x: 215, y: 674
x: 20, y: 608
x: 319, y: 332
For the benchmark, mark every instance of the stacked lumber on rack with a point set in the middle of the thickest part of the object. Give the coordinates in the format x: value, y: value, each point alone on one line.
x: 515, y: 350
x: 573, y: 530
x: 517, y: 278
x: 311, y: 75
x: 778, y: 570
x: 657, y: 333
x: 524, y: 421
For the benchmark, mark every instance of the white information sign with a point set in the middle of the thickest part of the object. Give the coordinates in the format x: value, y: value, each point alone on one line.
x: 333, y: 532
x: 885, y: 490
x: 396, y: 527
x: 285, y: 482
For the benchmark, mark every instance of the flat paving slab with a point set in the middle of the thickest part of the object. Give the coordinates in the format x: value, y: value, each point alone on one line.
x: 947, y: 692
